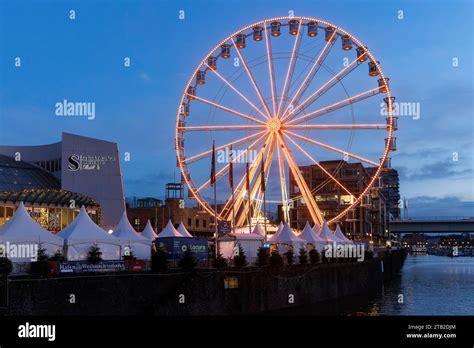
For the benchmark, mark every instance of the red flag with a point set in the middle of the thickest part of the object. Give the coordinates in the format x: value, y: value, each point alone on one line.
x: 262, y: 177
x: 213, y: 164
x: 247, y: 177
x: 231, y: 169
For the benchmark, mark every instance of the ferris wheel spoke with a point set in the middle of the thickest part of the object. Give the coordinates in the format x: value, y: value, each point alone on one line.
x: 312, y: 73
x: 323, y: 89
x: 225, y: 169
x: 313, y: 208
x: 336, y: 126
x: 227, y: 109
x: 311, y: 158
x: 238, y: 92
x: 220, y: 128
x: 291, y: 66
x: 271, y: 70
x: 284, y: 192
x: 208, y: 153
x: 252, y: 79
x: 332, y: 148
x: 257, y: 184
x: 338, y: 105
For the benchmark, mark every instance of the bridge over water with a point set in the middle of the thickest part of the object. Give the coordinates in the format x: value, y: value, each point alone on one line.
x: 433, y: 225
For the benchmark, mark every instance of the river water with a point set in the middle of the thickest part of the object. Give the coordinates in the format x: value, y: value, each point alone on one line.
x: 427, y: 285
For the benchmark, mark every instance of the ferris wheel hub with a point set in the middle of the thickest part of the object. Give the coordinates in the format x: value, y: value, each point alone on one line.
x: 274, y: 125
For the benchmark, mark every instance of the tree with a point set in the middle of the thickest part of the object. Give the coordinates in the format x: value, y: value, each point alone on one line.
x: 6, y: 265
x: 240, y: 260
x: 220, y: 262
x: 94, y: 255
x: 313, y: 256
x: 303, y: 257
x: 187, y: 262
x: 262, y: 257
x: 290, y: 257
x: 40, y: 268
x: 159, y: 260
x: 275, y: 259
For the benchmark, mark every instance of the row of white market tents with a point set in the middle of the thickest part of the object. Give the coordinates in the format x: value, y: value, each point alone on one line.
x: 77, y: 238
x: 284, y: 238
x: 318, y: 237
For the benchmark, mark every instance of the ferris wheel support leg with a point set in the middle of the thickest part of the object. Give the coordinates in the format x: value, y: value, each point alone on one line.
x: 305, y: 191
x: 239, y: 193
x: 284, y: 193
x: 256, y: 188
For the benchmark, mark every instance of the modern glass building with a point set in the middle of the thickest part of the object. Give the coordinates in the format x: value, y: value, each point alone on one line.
x: 40, y: 191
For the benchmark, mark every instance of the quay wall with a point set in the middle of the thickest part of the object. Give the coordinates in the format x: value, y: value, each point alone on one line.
x: 203, y: 293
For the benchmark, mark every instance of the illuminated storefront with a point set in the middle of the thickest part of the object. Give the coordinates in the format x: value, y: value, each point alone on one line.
x: 52, y: 209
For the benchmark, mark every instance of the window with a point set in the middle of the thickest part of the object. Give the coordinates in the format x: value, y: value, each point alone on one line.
x: 197, y: 222
x: 204, y: 223
x: 190, y: 223
x: 231, y: 282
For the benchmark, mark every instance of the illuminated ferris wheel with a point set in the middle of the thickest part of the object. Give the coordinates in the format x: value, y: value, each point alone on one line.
x: 280, y: 94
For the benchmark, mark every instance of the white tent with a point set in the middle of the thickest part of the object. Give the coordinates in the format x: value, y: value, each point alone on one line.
x: 338, y: 233
x: 309, y: 235
x: 250, y: 243
x: 21, y: 230
x: 83, y: 233
x: 285, y: 236
x: 183, y: 231
x: 148, y: 232
x: 169, y: 231
x: 326, y: 234
x: 258, y: 230
x: 280, y: 227
x: 137, y: 244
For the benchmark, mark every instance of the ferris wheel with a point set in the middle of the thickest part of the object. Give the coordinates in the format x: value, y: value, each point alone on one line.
x: 277, y: 95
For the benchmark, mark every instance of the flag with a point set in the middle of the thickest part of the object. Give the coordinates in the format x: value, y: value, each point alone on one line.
x: 247, y: 177
x: 213, y: 164
x: 231, y: 170
x: 262, y: 177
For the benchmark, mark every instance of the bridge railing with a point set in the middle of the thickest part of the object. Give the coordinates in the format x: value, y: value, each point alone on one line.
x: 435, y: 218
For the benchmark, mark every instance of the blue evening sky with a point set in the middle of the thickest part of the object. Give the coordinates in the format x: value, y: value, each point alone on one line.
x: 82, y: 60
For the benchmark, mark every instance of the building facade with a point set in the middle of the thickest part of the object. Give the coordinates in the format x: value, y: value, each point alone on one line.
x: 368, y: 220
x: 89, y: 168
x: 389, y: 183
x: 196, y: 220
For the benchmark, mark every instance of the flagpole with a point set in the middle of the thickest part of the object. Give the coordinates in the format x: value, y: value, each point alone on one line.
x: 265, y: 212
x: 231, y: 182
x: 248, y: 199
x: 215, y: 218
x: 264, y: 191
x: 214, y: 184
